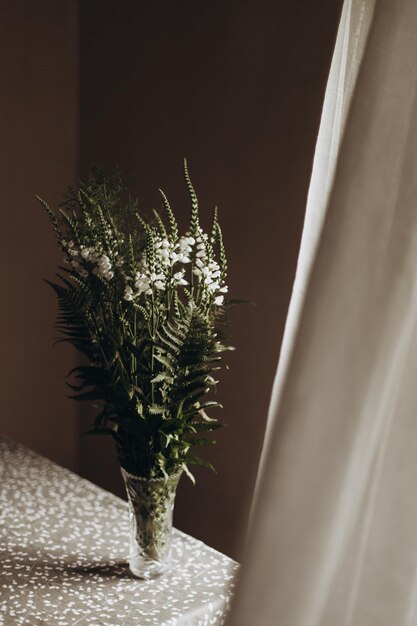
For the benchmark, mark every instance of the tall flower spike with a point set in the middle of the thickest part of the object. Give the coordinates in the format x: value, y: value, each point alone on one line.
x: 141, y: 221
x: 131, y: 256
x: 161, y: 225
x: 176, y: 305
x: 103, y: 227
x: 53, y: 218
x: 84, y: 201
x: 150, y: 248
x: 172, y: 221
x: 214, y: 227
x: 72, y: 225
x: 222, y: 255
x: 194, y: 222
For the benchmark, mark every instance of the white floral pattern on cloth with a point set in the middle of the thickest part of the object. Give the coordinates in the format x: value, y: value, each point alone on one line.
x: 63, y: 553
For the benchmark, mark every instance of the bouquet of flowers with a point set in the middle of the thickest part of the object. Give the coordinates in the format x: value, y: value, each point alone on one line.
x: 146, y: 307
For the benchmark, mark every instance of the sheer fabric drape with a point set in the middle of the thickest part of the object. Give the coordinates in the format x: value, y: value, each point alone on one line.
x: 334, y: 532
x: 351, y: 38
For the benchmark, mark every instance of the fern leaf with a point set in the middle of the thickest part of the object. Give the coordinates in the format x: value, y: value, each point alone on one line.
x: 193, y: 459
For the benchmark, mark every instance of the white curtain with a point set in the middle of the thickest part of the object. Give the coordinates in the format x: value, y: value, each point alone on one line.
x: 352, y: 34
x: 333, y: 540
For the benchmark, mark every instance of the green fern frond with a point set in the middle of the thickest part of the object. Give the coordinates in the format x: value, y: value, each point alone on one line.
x: 151, y: 357
x: 71, y: 321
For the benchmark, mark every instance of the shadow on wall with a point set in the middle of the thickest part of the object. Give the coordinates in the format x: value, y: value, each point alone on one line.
x: 39, y: 154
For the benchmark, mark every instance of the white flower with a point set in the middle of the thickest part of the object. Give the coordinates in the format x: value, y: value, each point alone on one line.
x: 183, y: 258
x: 154, y: 277
x: 179, y: 278
x: 128, y: 294
x: 104, y: 261
x: 158, y: 280
x: 142, y: 283
x: 201, y: 236
x: 165, y: 254
x: 185, y: 246
x: 219, y: 300
x: 103, y: 268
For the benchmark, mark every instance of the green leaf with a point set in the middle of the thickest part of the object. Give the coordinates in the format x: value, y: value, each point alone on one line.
x: 196, y: 460
x: 165, y: 361
x: 201, y: 441
x: 95, y: 394
x: 162, y: 377
x: 156, y: 409
x: 204, y: 426
x: 188, y: 473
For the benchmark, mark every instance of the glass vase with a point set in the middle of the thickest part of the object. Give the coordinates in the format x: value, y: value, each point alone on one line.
x: 151, y: 505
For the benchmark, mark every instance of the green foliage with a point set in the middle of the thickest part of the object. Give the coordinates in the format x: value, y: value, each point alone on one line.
x: 146, y: 309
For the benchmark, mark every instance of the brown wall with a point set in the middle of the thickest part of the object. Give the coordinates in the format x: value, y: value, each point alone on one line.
x: 39, y: 154
x: 236, y: 87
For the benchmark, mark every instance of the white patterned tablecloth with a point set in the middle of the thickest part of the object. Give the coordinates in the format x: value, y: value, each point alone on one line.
x: 63, y: 551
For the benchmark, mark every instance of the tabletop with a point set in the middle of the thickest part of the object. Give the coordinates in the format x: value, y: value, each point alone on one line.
x: 63, y: 557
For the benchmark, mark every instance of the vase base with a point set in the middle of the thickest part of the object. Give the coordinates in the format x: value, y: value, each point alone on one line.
x: 147, y: 571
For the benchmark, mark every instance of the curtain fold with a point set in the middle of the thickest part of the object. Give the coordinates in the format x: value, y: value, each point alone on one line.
x: 350, y: 43
x: 333, y: 537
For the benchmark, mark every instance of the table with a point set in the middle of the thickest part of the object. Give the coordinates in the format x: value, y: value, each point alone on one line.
x: 63, y: 552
